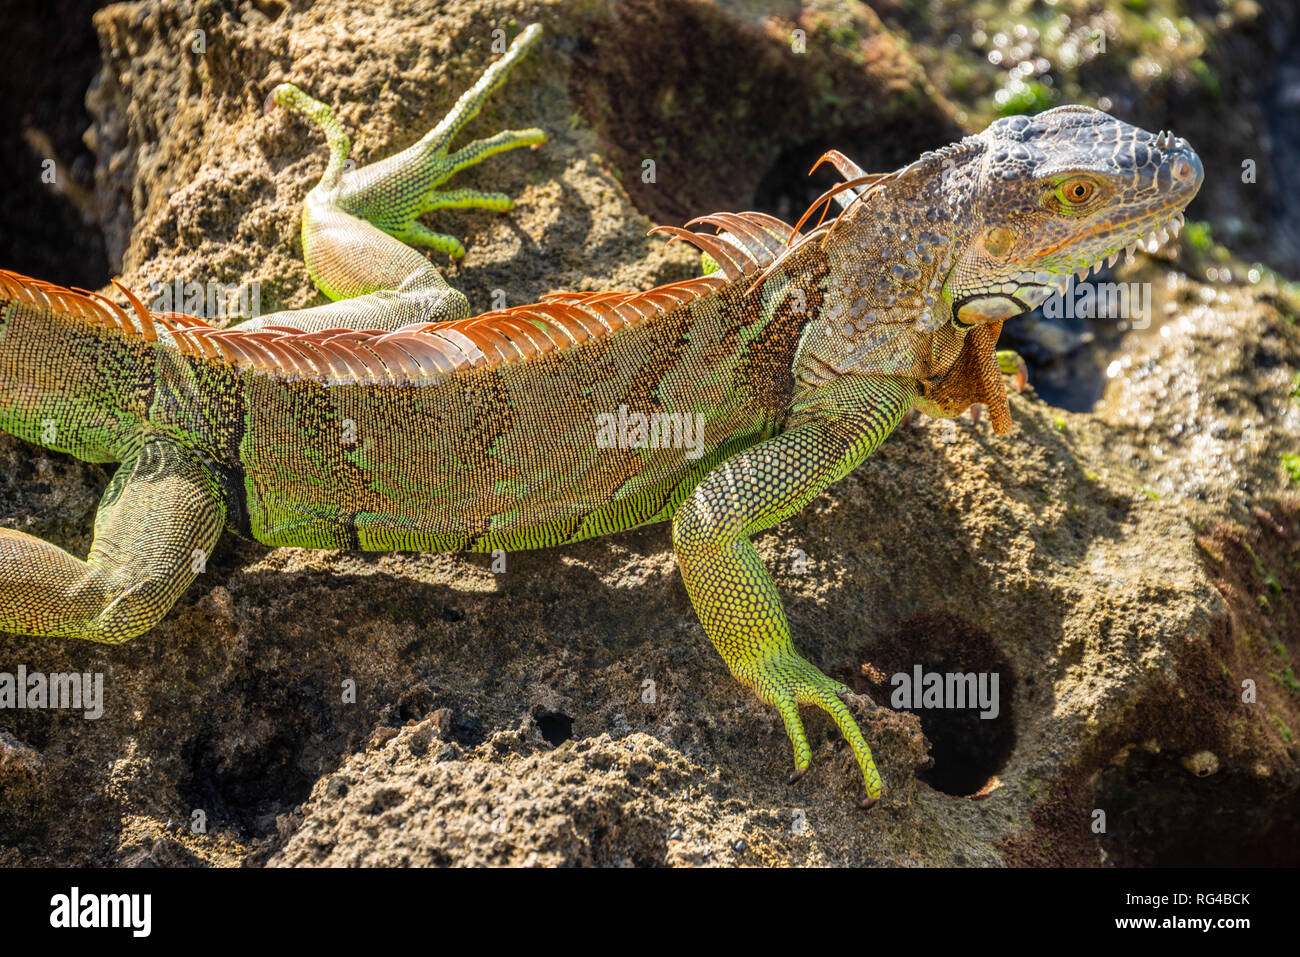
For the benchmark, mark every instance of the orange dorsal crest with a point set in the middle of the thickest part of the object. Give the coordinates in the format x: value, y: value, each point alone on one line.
x: 422, y: 352
x: 94, y: 308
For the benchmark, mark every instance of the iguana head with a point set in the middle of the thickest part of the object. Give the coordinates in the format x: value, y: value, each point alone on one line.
x: 1056, y: 194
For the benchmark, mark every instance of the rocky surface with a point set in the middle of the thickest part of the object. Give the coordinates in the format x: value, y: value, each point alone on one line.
x: 1123, y: 570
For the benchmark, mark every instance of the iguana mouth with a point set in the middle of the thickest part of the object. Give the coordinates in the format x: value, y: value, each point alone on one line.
x: 1058, y: 282
x: 1024, y: 290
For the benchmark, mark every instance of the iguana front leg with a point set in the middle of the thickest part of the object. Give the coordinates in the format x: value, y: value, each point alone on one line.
x: 733, y: 594
x: 355, y: 223
x: 157, y: 523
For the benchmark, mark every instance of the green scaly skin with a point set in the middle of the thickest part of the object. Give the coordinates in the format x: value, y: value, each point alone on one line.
x: 392, y: 419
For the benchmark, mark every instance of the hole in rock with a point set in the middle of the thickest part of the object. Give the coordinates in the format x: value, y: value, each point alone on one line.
x: 949, y: 673
x: 555, y: 728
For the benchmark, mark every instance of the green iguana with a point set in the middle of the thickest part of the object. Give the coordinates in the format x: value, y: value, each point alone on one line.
x: 393, y: 419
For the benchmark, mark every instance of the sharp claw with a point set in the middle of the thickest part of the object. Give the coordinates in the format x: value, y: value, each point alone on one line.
x: 798, y: 773
x: 867, y: 802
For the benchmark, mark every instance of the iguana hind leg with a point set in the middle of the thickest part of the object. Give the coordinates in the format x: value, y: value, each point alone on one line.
x: 356, y: 222
x: 158, y: 521
x: 732, y: 592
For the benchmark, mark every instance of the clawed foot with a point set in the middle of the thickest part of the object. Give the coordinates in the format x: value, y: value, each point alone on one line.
x: 787, y: 681
x: 393, y: 193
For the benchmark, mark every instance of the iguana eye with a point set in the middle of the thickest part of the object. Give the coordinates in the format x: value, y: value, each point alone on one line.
x: 1077, y: 191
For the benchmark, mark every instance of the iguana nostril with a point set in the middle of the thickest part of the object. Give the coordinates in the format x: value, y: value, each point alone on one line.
x: 1182, y: 170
